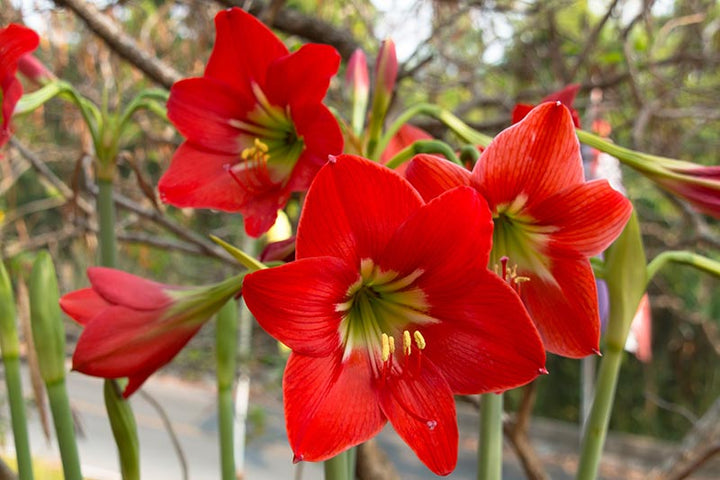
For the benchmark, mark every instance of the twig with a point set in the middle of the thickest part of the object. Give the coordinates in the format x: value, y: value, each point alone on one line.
x: 124, y: 45
x: 199, y: 244
x: 709, y: 452
x: 517, y: 432
x: 43, y: 170
x: 204, y: 246
x: 591, y: 40
x: 171, y: 432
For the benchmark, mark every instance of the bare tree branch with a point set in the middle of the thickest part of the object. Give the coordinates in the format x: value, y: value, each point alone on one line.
x: 121, y: 43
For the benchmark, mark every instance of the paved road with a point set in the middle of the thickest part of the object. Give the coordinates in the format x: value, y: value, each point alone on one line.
x: 192, y: 411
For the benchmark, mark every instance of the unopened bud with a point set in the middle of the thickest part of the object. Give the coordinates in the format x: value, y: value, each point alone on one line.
x: 46, y: 319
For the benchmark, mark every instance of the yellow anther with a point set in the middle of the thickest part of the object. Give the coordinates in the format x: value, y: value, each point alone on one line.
x: 391, y: 344
x: 384, y: 340
x: 257, y: 151
x: 407, y: 343
x: 521, y: 279
x: 419, y: 340
x: 261, y: 146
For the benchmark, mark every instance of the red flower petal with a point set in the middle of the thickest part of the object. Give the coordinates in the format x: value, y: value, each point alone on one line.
x: 201, y: 108
x: 432, y: 175
x: 352, y: 209
x: 589, y: 217
x: 83, y: 305
x: 15, y: 41
x: 244, y: 49
x: 329, y: 404
x: 200, y: 179
x: 295, y: 303
x: 534, y: 158
x: 486, y: 341
x: 303, y: 76
x: 421, y: 409
x: 122, y: 288
x: 566, y: 313
x: 260, y: 211
x: 520, y: 111
x: 320, y: 132
x: 453, y: 250
x: 566, y: 95
x: 120, y: 342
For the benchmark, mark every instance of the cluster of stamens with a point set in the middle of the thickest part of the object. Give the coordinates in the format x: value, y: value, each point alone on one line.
x: 252, y: 173
x: 510, y: 275
x: 387, y: 349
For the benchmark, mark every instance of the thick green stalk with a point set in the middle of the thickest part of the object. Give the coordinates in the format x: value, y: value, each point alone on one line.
x: 491, y: 437
x: 120, y: 415
x: 692, y: 259
x: 626, y: 276
x: 460, y: 128
x: 124, y: 428
x: 10, y: 348
x: 18, y: 417
x: 423, y: 146
x: 106, y: 222
x: 226, y: 348
x: 64, y: 429
x: 337, y: 468
x: 597, y: 424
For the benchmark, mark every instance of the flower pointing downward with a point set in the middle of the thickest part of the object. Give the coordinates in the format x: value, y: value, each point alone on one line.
x: 133, y: 326
x: 389, y: 310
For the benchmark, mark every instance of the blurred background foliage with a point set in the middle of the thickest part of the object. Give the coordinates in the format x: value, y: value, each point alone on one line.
x: 653, y: 66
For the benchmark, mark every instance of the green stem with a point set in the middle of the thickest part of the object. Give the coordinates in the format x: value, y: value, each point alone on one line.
x: 337, y: 468
x: 88, y: 110
x: 106, y: 221
x: 652, y: 165
x: 461, y: 129
x: 226, y: 347
x: 145, y: 99
x: 64, y: 429
x: 423, y: 146
x: 19, y: 420
x: 597, y: 423
x: 123, y: 426
x: 684, y: 257
x: 491, y: 437
x: 120, y: 414
x: 352, y: 463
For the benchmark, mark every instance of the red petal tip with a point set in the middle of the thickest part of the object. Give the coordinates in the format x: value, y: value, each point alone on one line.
x: 597, y: 352
x: 543, y: 371
x: 297, y: 458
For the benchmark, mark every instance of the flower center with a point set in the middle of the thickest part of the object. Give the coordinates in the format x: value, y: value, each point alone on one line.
x: 518, y: 236
x: 272, y: 144
x: 380, y: 306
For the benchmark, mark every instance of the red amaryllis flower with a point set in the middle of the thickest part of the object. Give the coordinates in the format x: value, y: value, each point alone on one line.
x: 255, y: 124
x: 15, y: 41
x: 697, y: 184
x: 389, y: 309
x: 548, y: 220
x: 566, y: 96
x: 134, y: 326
